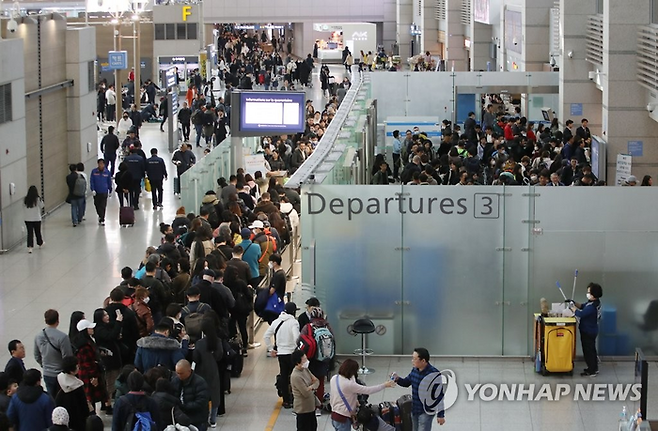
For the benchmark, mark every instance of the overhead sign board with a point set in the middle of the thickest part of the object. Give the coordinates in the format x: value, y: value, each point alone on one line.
x: 118, y: 60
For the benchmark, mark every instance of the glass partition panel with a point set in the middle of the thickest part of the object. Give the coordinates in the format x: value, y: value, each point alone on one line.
x: 517, y: 212
x: 351, y: 253
x: 452, y: 269
x: 608, y: 234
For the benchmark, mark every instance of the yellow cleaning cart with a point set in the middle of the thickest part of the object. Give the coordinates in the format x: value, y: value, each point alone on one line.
x: 555, y: 344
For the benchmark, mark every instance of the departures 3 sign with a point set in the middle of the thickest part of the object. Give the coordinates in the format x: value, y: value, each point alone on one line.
x: 479, y: 205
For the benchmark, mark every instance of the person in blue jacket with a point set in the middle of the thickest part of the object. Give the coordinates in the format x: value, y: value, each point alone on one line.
x: 420, y: 417
x: 251, y: 254
x: 589, y: 314
x: 156, y: 170
x: 101, y: 186
x: 31, y: 408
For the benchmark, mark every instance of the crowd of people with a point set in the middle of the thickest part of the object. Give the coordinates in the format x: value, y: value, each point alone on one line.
x: 501, y: 150
x: 167, y: 339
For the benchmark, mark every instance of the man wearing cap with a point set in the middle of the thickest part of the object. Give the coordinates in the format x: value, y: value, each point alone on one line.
x: 305, y: 318
x: 281, y: 340
x: 251, y: 254
x: 267, y: 245
x: 50, y: 346
x: 159, y: 349
x: 631, y: 181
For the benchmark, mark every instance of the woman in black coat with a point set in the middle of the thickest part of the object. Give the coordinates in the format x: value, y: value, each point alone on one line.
x: 107, y: 339
x: 123, y: 180
x: 72, y: 396
x: 244, y: 300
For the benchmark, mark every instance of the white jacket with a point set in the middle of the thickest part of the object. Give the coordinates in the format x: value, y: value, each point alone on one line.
x: 110, y: 97
x: 286, y: 337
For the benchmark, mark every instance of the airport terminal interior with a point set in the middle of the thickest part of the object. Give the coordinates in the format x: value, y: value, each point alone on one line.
x: 533, y: 295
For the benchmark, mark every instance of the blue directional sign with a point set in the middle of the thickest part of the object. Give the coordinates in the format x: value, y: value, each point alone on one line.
x: 117, y: 60
x: 636, y: 148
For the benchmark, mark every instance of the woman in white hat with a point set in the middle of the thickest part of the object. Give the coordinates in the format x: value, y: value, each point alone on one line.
x: 91, y: 372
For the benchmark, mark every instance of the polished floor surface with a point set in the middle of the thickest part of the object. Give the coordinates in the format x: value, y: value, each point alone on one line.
x: 78, y: 267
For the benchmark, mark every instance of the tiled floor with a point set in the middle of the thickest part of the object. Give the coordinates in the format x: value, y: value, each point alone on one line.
x: 79, y: 266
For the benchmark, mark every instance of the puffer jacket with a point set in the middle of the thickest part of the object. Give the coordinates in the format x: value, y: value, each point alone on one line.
x: 157, y: 350
x: 195, y: 396
x: 30, y: 409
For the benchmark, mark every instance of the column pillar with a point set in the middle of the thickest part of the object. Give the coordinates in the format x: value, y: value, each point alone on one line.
x: 624, y: 100
x: 403, y: 13
x: 575, y: 86
x: 430, y: 28
x: 455, y: 51
x: 81, y: 98
x: 481, y: 46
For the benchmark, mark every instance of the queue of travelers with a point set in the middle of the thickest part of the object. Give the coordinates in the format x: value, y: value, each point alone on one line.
x: 502, y: 150
x: 173, y: 331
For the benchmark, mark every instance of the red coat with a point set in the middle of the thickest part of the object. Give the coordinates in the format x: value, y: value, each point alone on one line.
x: 90, y: 368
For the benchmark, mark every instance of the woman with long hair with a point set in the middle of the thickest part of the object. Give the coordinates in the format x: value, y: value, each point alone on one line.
x: 76, y: 316
x: 244, y: 304
x: 647, y: 181
x: 91, y: 372
x: 207, y: 352
x: 123, y: 180
x: 108, y: 335
x: 33, y: 205
x: 202, y: 245
x: 344, y: 391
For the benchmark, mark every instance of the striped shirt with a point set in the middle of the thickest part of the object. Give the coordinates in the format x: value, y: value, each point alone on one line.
x: 414, y: 379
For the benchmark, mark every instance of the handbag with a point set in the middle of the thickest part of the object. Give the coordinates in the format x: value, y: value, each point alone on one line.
x: 147, y: 185
x: 274, y: 304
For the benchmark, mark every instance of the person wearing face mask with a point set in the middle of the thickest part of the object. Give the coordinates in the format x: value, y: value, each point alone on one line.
x: 303, y: 384
x: 589, y: 314
x: 278, y: 280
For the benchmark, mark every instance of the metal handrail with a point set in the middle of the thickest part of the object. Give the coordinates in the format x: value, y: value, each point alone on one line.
x: 328, y: 140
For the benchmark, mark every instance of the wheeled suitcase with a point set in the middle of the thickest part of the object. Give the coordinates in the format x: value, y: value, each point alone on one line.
x: 176, y: 185
x: 126, y: 216
x: 404, y: 404
x: 238, y: 360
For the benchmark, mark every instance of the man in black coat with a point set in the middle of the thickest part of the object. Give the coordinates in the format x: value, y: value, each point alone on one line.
x: 193, y: 392
x: 137, y: 168
x: 184, y: 116
x: 156, y: 170
x: 130, y: 333
x: 136, y: 117
x: 109, y: 146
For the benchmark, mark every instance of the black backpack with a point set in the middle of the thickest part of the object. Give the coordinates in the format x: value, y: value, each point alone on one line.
x: 197, y: 117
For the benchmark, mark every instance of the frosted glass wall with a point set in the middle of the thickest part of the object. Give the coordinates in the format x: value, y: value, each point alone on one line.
x: 460, y: 270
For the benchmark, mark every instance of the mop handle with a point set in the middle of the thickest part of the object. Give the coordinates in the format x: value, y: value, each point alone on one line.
x: 575, y: 277
x: 557, y: 283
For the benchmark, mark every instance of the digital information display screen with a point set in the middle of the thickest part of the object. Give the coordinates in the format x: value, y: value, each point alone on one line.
x: 269, y: 111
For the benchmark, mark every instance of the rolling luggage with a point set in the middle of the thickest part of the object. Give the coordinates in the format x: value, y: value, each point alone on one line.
x: 404, y: 404
x: 237, y: 363
x: 176, y: 185
x: 126, y: 216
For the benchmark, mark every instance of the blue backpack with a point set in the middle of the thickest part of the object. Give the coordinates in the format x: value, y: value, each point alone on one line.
x: 139, y: 420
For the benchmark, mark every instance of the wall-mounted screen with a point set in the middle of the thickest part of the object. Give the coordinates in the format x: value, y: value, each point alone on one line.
x: 513, y: 31
x: 481, y: 12
x: 263, y: 112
